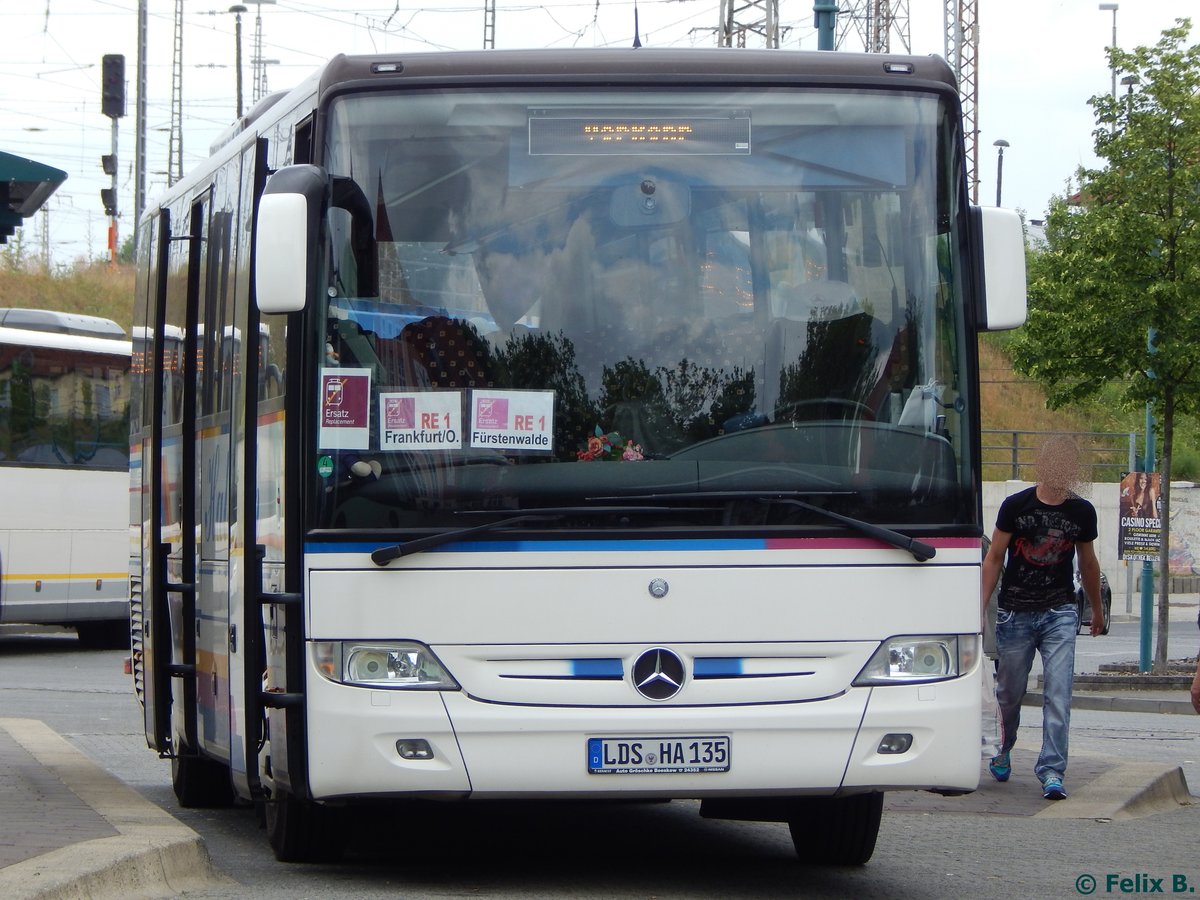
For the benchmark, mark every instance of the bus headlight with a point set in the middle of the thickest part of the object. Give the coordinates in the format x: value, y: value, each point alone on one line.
x: 382, y: 664
x: 912, y: 659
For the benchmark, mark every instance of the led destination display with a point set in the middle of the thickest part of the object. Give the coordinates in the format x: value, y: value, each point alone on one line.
x: 558, y: 135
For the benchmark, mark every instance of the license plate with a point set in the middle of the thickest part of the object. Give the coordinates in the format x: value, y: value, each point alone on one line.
x: 658, y: 756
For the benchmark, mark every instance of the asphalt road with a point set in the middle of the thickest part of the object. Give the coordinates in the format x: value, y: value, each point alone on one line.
x: 636, y: 850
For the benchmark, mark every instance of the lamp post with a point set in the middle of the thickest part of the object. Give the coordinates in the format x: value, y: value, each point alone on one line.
x: 1112, y: 7
x: 1129, y: 81
x: 999, y: 145
x: 237, y: 30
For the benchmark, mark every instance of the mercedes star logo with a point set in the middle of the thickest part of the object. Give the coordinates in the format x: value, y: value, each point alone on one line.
x: 658, y: 674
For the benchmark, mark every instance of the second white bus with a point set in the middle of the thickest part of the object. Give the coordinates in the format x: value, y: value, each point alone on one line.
x: 64, y: 473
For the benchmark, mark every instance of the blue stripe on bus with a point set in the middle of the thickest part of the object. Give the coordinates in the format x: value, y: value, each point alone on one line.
x: 717, y: 667
x: 597, y: 668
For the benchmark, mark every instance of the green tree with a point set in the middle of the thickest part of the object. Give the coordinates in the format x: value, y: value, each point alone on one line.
x: 1115, y: 294
x: 125, y: 254
x: 14, y: 253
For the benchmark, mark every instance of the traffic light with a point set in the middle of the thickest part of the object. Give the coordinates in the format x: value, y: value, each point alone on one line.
x: 112, y: 86
x: 109, y: 163
x: 109, y: 198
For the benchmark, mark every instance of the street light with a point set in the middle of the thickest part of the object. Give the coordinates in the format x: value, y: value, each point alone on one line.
x: 999, y: 145
x: 1129, y: 81
x: 1112, y: 7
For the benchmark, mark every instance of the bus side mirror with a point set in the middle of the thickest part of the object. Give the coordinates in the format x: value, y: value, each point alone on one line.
x: 999, y: 237
x: 285, y: 236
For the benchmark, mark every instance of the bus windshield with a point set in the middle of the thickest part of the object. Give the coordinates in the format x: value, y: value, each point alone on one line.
x: 691, y: 299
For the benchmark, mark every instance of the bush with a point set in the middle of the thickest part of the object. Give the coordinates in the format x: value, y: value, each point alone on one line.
x: 1185, y: 464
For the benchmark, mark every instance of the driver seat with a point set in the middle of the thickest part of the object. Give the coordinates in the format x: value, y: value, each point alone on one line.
x: 825, y: 347
x: 445, y: 353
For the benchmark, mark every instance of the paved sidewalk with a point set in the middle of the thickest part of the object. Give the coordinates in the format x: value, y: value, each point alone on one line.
x: 70, y: 829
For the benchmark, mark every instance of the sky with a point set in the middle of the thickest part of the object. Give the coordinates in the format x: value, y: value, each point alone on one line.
x: 1039, y: 63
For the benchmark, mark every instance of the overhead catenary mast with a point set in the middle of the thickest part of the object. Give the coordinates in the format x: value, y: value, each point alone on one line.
x: 258, y: 63
x: 742, y: 17
x: 962, y: 53
x: 489, y: 24
x: 875, y: 26
x: 175, y: 143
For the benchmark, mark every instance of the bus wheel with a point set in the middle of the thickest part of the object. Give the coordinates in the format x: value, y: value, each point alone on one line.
x: 303, y: 831
x: 201, y: 783
x: 837, y: 831
x: 107, y: 635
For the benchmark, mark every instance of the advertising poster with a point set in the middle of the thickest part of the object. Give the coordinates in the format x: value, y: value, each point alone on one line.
x: 1139, y: 534
x: 420, y: 420
x: 345, y: 409
x: 513, y: 420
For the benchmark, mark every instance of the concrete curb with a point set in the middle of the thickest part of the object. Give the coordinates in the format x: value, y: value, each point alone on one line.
x: 1126, y: 791
x: 1120, y: 703
x: 153, y: 854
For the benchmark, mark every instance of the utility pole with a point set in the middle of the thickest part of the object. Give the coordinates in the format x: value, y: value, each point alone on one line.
x: 237, y: 32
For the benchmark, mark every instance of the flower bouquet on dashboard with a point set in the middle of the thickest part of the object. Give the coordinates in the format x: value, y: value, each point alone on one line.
x: 609, y: 446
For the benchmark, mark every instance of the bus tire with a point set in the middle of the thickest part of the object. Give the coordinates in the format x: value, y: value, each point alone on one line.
x: 201, y: 783
x: 112, y: 634
x: 305, y: 832
x: 836, y: 831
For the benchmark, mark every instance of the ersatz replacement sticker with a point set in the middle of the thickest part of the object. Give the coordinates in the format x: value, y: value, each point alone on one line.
x: 512, y: 420
x: 345, y: 409
x: 420, y: 420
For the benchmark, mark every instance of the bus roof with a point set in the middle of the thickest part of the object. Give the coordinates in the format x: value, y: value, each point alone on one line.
x: 631, y: 65
x: 60, y: 322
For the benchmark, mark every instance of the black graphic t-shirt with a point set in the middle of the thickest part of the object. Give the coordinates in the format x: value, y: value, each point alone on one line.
x: 1039, y: 573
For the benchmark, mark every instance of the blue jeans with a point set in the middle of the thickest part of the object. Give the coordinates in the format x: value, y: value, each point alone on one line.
x: 1051, y: 633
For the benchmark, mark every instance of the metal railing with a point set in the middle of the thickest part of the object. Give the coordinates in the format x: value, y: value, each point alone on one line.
x: 1106, y: 455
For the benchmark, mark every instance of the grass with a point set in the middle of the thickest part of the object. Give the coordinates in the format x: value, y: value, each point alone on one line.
x: 94, y: 290
x: 1011, y: 402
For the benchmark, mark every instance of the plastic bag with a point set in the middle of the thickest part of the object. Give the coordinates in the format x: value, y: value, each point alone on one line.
x: 992, y: 728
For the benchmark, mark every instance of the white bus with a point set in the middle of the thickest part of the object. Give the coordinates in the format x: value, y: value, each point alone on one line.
x: 612, y: 432
x: 64, y: 473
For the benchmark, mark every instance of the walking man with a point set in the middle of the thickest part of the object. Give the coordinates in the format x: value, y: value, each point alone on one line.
x: 1039, y: 531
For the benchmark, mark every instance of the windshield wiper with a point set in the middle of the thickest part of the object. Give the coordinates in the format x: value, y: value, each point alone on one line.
x: 919, y: 549
x: 384, y: 555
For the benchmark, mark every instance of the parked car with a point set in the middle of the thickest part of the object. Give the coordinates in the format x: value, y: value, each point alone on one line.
x: 1085, y: 608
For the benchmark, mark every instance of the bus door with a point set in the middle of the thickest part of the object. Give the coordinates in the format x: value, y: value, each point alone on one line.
x: 215, y: 339
x: 160, y: 355
x: 176, y: 581
x: 241, y: 183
